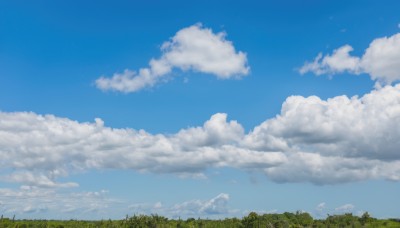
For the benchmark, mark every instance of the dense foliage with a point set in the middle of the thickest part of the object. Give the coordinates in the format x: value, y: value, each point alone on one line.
x: 253, y: 220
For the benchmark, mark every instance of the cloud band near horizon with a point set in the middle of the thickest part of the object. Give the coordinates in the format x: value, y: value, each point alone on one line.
x: 330, y: 141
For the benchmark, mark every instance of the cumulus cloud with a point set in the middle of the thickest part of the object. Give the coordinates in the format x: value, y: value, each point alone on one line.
x: 192, y: 208
x: 336, y: 140
x: 37, y: 149
x: 341, y: 139
x: 193, y: 48
x: 349, y: 127
x: 339, y: 62
x: 381, y: 60
x: 214, y: 206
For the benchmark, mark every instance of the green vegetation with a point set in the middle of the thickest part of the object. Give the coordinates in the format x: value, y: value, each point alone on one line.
x: 253, y: 220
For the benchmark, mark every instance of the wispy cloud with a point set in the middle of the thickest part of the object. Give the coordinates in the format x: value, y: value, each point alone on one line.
x: 346, y: 208
x: 214, y: 207
x: 43, y: 201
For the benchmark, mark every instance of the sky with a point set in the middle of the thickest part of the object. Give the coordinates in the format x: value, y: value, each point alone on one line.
x: 199, y: 108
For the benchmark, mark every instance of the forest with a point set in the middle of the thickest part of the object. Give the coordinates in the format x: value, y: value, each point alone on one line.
x: 252, y: 220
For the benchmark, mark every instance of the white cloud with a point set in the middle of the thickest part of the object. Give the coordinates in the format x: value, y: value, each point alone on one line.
x: 381, y: 61
x: 347, y: 208
x: 42, y: 202
x: 37, y: 150
x: 192, y: 208
x: 217, y: 205
x: 39, y: 180
x: 330, y: 141
x: 321, y: 206
x: 192, y: 48
x: 214, y: 206
x: 336, y: 140
x: 34, y: 202
x: 128, y: 81
x: 320, y: 210
x: 338, y: 62
x: 216, y: 131
x: 365, y: 127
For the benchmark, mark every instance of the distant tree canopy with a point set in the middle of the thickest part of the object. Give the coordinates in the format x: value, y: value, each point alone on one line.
x: 252, y: 220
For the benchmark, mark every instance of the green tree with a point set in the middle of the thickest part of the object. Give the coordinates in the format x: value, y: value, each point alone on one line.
x: 251, y: 220
x: 304, y: 218
x: 365, y: 218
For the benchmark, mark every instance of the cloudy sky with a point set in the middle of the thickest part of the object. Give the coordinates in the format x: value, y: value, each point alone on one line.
x: 199, y: 109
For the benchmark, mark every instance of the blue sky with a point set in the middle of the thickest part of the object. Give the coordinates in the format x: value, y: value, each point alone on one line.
x: 189, y: 109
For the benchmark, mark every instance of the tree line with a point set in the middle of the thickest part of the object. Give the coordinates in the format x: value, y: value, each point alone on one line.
x: 252, y: 220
